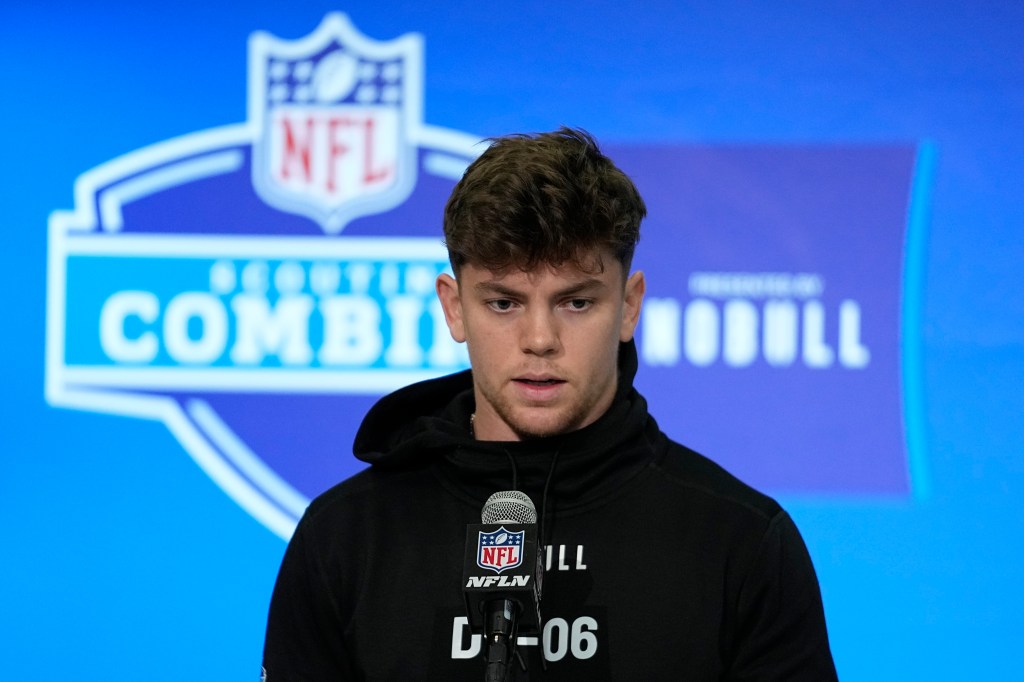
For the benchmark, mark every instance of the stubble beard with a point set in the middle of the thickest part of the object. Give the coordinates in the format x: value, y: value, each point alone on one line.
x: 563, y: 418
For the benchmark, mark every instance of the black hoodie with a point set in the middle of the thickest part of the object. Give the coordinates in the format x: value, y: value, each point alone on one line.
x: 659, y: 564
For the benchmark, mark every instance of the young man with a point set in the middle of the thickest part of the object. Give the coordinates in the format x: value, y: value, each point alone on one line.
x: 659, y: 564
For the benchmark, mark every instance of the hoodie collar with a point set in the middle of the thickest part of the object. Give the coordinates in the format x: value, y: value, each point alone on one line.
x: 428, y: 422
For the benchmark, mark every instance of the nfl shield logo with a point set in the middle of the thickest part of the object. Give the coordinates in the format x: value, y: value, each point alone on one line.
x: 334, y: 114
x: 500, y: 550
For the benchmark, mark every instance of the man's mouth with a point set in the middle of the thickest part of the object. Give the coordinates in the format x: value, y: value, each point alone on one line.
x: 538, y: 381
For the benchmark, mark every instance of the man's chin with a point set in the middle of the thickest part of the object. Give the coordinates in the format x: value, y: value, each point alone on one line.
x: 534, y: 427
x: 533, y: 434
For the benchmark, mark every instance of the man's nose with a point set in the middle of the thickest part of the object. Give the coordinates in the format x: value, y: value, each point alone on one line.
x: 539, y: 332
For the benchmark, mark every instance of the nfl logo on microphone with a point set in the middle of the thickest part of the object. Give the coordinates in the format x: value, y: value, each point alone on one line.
x: 500, y: 550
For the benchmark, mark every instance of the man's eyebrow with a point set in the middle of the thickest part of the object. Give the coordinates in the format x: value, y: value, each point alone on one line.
x: 589, y: 284
x: 491, y: 288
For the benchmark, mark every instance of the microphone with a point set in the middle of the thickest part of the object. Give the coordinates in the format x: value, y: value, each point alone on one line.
x: 509, y: 506
x: 502, y: 578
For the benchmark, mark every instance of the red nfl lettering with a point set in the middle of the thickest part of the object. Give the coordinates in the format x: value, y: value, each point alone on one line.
x: 337, y: 156
x: 508, y: 556
x: 296, y: 149
x: 501, y: 557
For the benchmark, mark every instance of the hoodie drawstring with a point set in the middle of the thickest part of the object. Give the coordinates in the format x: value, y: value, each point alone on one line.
x: 544, y: 497
x: 515, y: 471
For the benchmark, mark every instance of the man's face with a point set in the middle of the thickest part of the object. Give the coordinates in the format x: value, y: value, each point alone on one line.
x: 543, y: 344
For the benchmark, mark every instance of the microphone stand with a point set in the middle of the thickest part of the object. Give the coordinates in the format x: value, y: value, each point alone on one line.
x: 500, y: 635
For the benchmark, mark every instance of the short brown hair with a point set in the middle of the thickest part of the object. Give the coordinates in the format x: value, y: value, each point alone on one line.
x: 542, y: 198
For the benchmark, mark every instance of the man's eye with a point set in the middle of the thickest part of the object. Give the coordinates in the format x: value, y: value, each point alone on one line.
x: 500, y: 304
x: 579, y: 303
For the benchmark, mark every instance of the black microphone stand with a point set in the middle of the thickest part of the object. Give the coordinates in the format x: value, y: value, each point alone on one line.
x: 500, y: 628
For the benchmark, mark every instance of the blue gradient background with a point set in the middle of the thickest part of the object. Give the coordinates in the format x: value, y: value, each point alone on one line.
x: 121, y: 560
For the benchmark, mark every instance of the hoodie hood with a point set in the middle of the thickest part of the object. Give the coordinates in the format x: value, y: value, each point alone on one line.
x: 427, y: 423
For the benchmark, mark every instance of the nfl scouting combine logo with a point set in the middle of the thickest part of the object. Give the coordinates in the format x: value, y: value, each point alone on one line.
x: 205, y: 281
x: 257, y: 287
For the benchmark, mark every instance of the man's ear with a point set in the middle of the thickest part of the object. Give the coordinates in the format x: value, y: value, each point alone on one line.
x: 633, y: 299
x: 448, y: 294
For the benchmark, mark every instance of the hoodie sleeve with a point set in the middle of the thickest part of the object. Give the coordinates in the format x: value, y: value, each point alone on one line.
x: 304, y: 640
x: 781, y: 622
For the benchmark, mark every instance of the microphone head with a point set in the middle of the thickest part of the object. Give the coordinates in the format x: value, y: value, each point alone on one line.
x: 509, y: 506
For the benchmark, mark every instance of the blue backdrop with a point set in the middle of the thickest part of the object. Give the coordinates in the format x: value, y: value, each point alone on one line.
x: 122, y: 559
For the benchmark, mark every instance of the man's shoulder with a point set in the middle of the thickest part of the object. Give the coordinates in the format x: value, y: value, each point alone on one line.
x: 711, y: 484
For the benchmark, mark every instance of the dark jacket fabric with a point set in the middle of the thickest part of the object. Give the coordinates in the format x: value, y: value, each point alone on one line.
x: 659, y: 565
